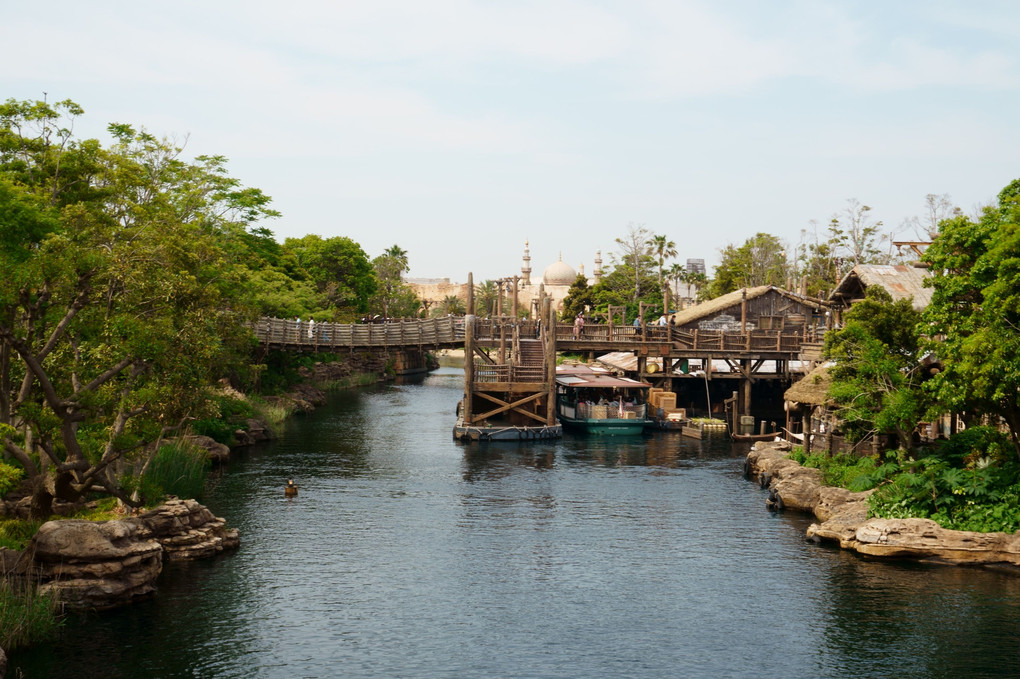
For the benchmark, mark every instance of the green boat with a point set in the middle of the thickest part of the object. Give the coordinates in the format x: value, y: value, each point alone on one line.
x: 601, y: 403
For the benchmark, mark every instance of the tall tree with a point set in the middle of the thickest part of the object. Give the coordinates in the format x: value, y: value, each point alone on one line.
x: 635, y: 253
x: 973, y: 321
x: 127, y: 305
x: 937, y: 208
x: 578, y: 297
x: 761, y: 260
x: 877, y: 377
x: 340, y: 269
x: 854, y: 233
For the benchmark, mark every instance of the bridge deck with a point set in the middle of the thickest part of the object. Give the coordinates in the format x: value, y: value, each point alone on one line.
x: 448, y: 333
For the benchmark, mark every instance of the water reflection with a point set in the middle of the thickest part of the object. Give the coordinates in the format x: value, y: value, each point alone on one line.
x: 409, y: 554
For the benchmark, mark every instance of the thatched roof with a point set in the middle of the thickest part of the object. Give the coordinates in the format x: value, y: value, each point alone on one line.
x: 812, y: 388
x: 714, y: 306
x: 900, y: 282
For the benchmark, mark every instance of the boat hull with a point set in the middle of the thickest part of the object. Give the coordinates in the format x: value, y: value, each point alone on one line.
x: 605, y: 426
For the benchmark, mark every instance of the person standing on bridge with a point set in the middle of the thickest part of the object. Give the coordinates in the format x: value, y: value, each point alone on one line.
x: 578, y: 325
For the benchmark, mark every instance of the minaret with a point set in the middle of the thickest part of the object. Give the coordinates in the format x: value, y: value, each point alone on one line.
x: 526, y: 268
x: 597, y: 273
x: 580, y: 269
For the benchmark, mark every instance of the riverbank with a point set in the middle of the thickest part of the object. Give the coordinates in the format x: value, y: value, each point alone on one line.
x: 843, y: 517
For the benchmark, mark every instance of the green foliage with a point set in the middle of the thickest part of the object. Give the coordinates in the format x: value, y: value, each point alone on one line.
x: 973, y: 321
x: 876, y: 380
x: 179, y: 470
x: 15, y: 533
x: 340, y: 270
x: 958, y: 487
x: 578, y: 297
x: 761, y: 260
x: 26, y: 617
x: 846, y: 471
x: 10, y: 477
x: 229, y: 414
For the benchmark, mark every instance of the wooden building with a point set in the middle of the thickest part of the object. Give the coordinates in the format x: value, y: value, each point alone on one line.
x: 899, y: 280
x: 764, y: 307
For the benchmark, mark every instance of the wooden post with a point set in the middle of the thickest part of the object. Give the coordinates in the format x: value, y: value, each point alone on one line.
x: 743, y: 310
x: 502, y: 343
x: 745, y: 371
x: 806, y: 427
x: 550, y: 360
x: 515, y: 298
x: 469, y: 353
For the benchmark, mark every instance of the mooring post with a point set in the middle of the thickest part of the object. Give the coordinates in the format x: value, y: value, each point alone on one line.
x: 469, y: 352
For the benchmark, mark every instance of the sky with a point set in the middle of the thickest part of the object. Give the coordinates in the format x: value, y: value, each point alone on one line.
x: 459, y: 129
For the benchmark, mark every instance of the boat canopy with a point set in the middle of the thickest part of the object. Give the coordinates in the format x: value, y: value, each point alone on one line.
x: 592, y: 380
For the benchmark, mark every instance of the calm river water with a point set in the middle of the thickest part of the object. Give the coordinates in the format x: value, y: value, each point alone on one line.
x: 407, y: 554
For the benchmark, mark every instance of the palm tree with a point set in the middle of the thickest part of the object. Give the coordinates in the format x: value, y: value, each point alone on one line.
x: 485, y: 298
x: 663, y: 249
x: 400, y: 255
x: 676, y: 273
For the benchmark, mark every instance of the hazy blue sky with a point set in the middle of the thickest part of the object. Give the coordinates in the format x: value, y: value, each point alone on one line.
x: 457, y: 129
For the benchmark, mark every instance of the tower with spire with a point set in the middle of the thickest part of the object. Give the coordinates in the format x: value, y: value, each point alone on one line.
x: 526, y: 267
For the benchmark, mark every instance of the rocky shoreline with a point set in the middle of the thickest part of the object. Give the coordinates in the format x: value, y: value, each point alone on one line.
x: 96, y: 565
x: 843, y: 518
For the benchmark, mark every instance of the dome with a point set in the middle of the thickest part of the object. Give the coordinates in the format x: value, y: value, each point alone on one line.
x: 559, y: 273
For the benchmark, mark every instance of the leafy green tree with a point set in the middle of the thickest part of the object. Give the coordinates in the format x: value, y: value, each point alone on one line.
x: 578, y: 297
x: 127, y: 305
x: 877, y: 377
x: 393, y: 297
x: 973, y: 321
x: 761, y: 260
x: 340, y: 270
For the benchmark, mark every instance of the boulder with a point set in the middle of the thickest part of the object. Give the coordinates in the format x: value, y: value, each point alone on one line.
x: 218, y: 452
x: 255, y: 431
x: 104, y: 564
x: 844, y: 518
x: 187, y: 530
x: 924, y: 539
x: 96, y: 565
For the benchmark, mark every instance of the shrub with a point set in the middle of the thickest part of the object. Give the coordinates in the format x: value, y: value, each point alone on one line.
x: 10, y: 477
x: 26, y: 617
x: 15, y: 533
x: 177, y: 469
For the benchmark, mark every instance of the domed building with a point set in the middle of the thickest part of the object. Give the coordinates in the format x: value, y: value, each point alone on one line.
x: 559, y: 273
x: 556, y: 279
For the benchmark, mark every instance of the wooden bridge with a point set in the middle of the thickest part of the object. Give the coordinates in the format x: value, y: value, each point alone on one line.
x: 293, y: 335
x: 448, y: 333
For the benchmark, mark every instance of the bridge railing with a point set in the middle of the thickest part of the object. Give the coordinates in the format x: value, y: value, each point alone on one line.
x: 402, y: 333
x: 750, y: 341
x: 508, y: 372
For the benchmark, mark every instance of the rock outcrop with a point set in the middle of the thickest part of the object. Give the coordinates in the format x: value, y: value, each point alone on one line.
x: 97, y: 565
x: 104, y: 564
x: 843, y: 518
x: 187, y: 530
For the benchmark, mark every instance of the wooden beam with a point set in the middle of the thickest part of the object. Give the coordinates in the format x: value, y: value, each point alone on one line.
x: 515, y: 406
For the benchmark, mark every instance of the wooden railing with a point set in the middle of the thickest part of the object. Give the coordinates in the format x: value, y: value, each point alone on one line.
x: 508, y: 373
x: 403, y: 333
x: 735, y: 341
